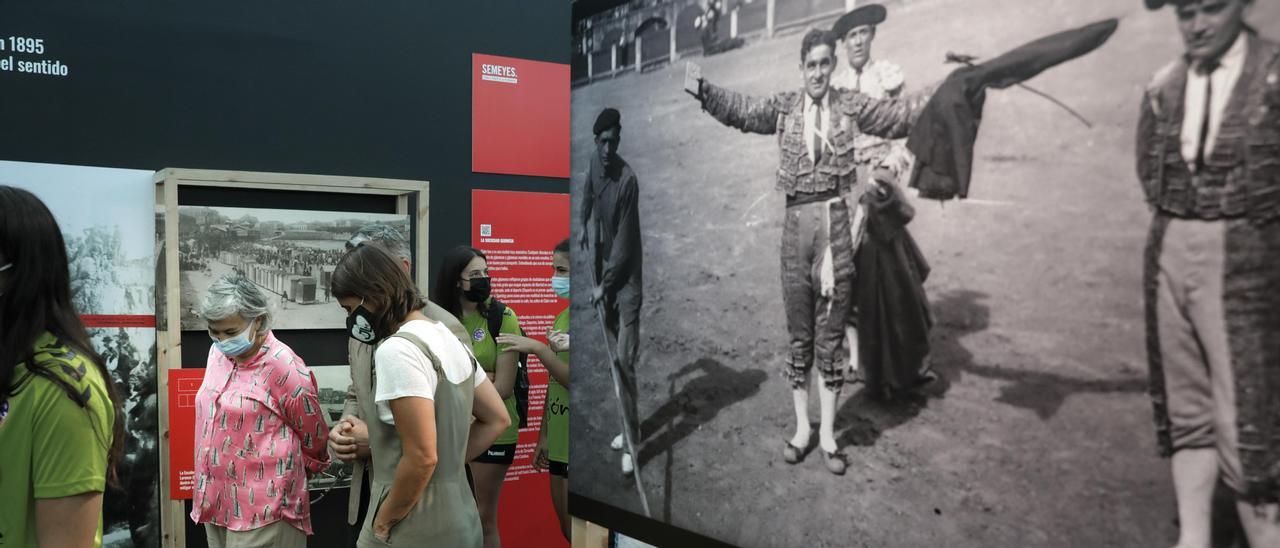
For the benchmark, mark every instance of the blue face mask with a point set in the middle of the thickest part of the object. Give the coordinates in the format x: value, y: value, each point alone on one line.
x: 560, y: 284
x: 236, y: 345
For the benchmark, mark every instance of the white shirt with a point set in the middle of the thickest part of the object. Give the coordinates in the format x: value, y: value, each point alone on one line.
x: 1224, y: 82
x: 810, y: 111
x: 403, y: 371
x: 877, y: 79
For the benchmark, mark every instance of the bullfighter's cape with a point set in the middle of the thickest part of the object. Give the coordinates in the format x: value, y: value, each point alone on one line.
x: 943, y: 137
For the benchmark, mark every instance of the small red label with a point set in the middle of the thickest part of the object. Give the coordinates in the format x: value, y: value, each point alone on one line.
x: 118, y: 320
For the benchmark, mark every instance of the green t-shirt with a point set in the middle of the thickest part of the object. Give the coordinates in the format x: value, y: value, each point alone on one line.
x: 53, y: 448
x: 557, y: 411
x: 486, y: 350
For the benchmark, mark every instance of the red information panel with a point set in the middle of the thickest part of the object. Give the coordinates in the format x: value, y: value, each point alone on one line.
x: 183, y: 385
x: 519, y: 116
x: 517, y: 232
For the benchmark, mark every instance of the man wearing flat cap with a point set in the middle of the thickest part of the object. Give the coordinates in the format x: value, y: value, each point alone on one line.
x: 817, y: 126
x: 1208, y: 158
x: 610, y: 232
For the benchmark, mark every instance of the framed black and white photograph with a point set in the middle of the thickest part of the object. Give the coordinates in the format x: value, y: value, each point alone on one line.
x: 872, y: 274
x: 289, y: 253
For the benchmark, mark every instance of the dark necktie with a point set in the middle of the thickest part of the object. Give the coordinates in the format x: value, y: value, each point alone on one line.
x: 1207, y: 70
x: 817, y: 133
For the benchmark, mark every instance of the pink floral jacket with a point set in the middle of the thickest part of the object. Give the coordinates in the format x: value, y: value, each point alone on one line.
x: 259, y: 432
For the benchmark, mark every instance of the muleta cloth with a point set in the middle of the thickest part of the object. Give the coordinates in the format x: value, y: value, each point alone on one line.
x: 870, y: 14
x: 943, y: 137
x: 608, y: 118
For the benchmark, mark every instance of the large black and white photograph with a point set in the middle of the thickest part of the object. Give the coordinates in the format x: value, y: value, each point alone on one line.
x: 291, y: 254
x: 111, y: 256
x: 928, y: 272
x: 132, y: 515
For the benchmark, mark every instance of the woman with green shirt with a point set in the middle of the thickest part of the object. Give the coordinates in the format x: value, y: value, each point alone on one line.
x: 463, y: 288
x: 61, y: 428
x: 552, y: 453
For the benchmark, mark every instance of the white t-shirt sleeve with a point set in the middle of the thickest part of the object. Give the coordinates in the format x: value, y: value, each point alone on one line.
x: 402, y: 372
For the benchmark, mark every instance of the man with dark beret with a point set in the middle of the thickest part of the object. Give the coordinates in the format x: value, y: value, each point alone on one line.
x: 610, y: 232
x: 1208, y: 158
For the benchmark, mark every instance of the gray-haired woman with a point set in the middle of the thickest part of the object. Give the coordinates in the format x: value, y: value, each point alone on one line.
x: 259, y: 427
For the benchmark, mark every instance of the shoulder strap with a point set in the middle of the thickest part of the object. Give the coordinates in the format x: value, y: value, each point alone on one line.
x: 42, y: 362
x: 496, y: 311
x: 422, y: 347
x: 435, y: 361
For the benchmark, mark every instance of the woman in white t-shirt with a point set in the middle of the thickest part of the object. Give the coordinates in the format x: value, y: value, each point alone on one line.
x: 424, y: 388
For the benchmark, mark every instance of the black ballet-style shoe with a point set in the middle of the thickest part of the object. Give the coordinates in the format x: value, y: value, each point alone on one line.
x: 835, y: 462
x: 791, y: 453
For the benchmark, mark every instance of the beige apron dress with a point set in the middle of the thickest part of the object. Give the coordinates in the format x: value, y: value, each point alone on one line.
x: 446, y: 515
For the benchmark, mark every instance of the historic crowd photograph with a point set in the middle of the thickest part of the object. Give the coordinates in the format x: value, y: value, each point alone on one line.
x: 289, y: 253
x: 929, y: 272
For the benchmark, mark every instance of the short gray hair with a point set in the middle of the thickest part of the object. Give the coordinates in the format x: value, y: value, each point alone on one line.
x: 235, y: 294
x: 387, y: 237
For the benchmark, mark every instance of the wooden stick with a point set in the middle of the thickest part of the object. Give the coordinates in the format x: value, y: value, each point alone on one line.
x: 617, y: 392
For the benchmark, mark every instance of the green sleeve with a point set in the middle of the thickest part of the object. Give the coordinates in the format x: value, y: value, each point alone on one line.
x: 70, y: 443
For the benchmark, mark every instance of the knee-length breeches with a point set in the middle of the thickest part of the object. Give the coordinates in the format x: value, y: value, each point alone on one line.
x: 816, y: 322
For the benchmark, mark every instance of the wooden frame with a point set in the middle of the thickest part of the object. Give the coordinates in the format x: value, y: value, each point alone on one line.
x: 588, y: 535
x: 169, y: 182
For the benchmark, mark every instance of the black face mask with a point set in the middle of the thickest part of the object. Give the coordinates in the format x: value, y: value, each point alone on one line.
x: 479, y: 291
x: 360, y: 325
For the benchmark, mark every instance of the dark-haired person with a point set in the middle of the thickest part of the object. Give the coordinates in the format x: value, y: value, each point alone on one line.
x: 423, y: 390
x: 878, y: 78
x: 349, y: 437
x: 463, y: 288
x: 1207, y: 157
x: 260, y: 431
x: 552, y: 452
x: 61, y: 428
x: 610, y: 235
x: 817, y: 127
